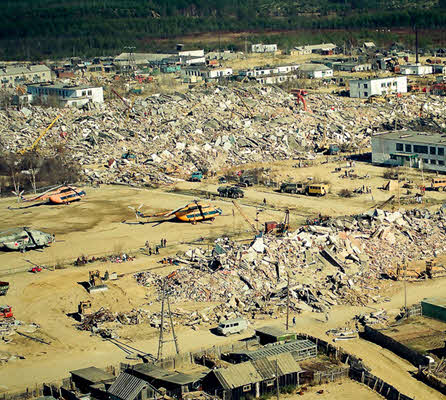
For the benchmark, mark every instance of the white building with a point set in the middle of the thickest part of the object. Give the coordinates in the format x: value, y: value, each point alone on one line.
x: 275, y: 79
x: 409, y: 148
x: 12, y: 76
x: 208, y: 73
x: 315, y: 71
x: 364, y: 88
x: 324, y: 48
x: 416, y: 69
x: 263, y: 48
x: 66, y: 95
x: 262, y: 71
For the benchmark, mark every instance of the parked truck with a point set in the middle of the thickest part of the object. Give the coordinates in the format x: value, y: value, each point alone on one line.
x: 196, y: 176
x: 233, y: 192
x: 294, y: 188
x: 4, y: 286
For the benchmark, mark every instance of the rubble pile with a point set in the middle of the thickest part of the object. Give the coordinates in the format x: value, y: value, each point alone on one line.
x: 166, y: 137
x: 341, y: 261
x: 97, y: 321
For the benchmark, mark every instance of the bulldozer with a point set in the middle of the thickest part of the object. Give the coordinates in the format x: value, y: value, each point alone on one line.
x: 95, y: 281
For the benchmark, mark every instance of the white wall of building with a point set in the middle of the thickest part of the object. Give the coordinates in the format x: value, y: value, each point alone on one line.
x: 364, y: 88
x: 68, y: 95
x: 263, y: 48
x: 415, y: 69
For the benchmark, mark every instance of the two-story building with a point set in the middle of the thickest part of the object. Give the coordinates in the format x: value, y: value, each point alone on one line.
x: 410, y: 148
x: 364, y: 88
x: 66, y: 95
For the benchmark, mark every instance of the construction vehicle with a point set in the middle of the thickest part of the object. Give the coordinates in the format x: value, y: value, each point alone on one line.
x: 376, y: 99
x: 95, y: 281
x: 6, y: 312
x: 4, y: 286
x: 36, y: 142
x: 299, y: 95
x: 438, y: 184
x: 278, y: 228
x: 317, y: 189
x: 83, y: 309
x: 186, y: 213
x: 293, y: 188
x: 245, y: 217
x: 233, y: 192
x: 196, y: 176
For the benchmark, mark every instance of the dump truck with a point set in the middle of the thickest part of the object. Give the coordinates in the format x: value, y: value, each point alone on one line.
x: 233, y: 192
x: 4, y: 286
x: 294, y: 188
x: 196, y: 176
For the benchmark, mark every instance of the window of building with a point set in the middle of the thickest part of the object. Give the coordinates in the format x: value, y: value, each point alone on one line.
x: 408, y: 148
x: 366, y: 94
x: 84, y: 93
x: 440, y: 162
x: 399, y: 147
x: 365, y: 86
x: 383, y: 84
x: 246, y: 388
x: 270, y: 382
x: 393, y: 157
x: 420, y: 149
x: 89, y: 92
x: 441, y: 151
x: 425, y: 161
x: 432, y: 150
x: 434, y: 162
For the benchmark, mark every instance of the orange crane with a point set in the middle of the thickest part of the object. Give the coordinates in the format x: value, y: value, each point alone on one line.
x: 253, y: 227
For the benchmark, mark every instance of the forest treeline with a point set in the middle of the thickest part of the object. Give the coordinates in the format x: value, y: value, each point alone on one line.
x: 38, y: 29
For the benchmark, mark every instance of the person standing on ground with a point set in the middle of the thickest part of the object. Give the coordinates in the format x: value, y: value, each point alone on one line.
x: 150, y: 251
x: 294, y: 321
x: 165, y: 242
x: 264, y: 201
x: 157, y: 250
x: 326, y: 316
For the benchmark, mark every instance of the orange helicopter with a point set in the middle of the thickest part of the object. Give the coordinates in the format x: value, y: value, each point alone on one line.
x: 61, y: 195
x: 193, y: 212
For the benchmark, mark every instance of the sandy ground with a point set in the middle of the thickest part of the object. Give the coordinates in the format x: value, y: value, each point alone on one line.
x: 95, y: 226
x: 344, y: 390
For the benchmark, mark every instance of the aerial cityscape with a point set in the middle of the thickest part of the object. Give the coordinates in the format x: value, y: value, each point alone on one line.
x: 222, y: 200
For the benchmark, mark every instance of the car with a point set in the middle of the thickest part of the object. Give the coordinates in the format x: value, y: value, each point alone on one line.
x: 233, y: 192
x: 231, y: 326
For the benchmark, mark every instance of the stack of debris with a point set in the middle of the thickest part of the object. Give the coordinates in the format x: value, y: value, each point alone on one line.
x: 166, y: 137
x: 341, y: 261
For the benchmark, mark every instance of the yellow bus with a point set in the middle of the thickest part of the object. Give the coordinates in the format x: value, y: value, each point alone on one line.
x: 438, y: 184
x: 317, y: 189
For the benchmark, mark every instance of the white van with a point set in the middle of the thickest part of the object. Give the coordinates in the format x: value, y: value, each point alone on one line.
x: 231, y: 326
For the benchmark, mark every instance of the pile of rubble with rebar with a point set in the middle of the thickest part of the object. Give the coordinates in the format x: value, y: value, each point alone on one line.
x: 344, y: 260
x: 164, y: 138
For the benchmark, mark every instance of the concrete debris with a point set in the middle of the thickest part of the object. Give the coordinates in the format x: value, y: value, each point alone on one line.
x: 343, y: 260
x: 166, y: 137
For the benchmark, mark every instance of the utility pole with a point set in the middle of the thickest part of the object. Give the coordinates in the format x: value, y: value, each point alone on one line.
x: 288, y: 301
x: 161, y: 341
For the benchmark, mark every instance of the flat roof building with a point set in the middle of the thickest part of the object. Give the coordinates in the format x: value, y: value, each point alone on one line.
x: 416, y: 69
x: 364, y: 88
x: 410, y: 148
x: 434, y: 307
x: 12, y: 76
x: 66, y: 95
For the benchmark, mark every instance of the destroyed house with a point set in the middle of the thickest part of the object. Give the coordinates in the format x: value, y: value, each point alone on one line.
x: 175, y: 383
x: 252, y: 378
x: 299, y: 350
x: 129, y: 387
x: 273, y: 334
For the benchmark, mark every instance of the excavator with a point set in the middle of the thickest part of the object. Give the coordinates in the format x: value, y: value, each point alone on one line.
x: 299, y: 95
x: 193, y: 212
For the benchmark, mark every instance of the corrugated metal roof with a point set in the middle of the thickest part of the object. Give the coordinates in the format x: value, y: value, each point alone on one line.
x: 272, y: 331
x: 286, y: 363
x: 238, y: 375
x: 92, y: 374
x: 277, y: 349
x: 127, y: 386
